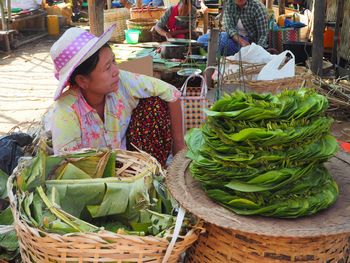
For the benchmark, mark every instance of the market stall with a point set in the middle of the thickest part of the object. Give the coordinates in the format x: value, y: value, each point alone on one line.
x: 25, y: 24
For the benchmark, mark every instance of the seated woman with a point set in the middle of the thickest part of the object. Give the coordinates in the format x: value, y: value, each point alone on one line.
x: 171, y: 26
x: 99, y: 106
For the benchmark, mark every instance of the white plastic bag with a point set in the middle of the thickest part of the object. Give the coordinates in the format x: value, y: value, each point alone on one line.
x: 26, y: 4
x: 253, y: 54
x: 273, y: 71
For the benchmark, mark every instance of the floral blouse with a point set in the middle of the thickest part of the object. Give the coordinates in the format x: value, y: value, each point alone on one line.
x: 75, y: 124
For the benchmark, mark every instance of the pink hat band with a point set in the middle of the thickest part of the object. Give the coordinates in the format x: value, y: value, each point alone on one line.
x: 70, y: 51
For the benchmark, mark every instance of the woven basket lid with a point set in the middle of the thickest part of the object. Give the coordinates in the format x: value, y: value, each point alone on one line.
x: 332, y: 221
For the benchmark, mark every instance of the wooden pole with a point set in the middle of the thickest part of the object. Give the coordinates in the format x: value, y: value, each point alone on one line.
x: 318, y: 46
x: 281, y: 7
x: 212, y: 49
x: 96, y: 16
x: 339, y: 19
x: 269, y: 4
x: 138, y: 3
x: 109, y: 4
x: 9, y: 11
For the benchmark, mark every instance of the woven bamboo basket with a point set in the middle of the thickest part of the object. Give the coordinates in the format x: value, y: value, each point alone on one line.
x: 323, y: 237
x: 105, y: 246
x: 144, y: 25
x: 117, y: 16
x: 245, y: 80
x: 147, y: 12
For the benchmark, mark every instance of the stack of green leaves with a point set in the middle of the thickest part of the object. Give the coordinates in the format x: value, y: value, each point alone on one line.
x: 264, y: 154
x: 81, y: 192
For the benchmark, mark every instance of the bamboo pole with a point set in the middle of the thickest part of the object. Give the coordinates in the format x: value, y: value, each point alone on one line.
x: 212, y: 49
x: 318, y: 46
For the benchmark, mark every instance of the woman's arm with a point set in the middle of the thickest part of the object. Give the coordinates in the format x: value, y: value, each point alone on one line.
x: 162, y: 32
x: 176, y: 126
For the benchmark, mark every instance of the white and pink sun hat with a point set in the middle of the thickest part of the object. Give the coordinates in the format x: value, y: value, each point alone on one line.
x: 74, y: 47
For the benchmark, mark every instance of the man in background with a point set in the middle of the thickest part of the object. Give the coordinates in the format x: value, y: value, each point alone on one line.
x: 245, y: 21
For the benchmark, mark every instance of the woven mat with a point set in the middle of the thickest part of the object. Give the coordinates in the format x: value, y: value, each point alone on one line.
x: 332, y: 221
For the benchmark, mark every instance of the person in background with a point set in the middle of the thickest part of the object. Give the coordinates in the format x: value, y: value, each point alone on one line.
x: 130, y: 3
x: 99, y: 106
x: 170, y: 26
x: 245, y: 21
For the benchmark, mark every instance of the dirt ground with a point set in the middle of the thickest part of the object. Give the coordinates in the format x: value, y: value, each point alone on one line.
x: 27, y: 85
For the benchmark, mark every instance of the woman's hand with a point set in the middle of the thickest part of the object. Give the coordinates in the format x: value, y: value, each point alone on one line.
x: 240, y: 40
x: 168, y: 35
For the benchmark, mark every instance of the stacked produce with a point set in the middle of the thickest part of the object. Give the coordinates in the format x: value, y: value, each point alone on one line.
x: 89, y: 191
x: 264, y: 154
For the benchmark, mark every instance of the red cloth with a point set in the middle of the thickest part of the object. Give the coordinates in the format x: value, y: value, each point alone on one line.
x: 150, y: 130
x: 172, y: 21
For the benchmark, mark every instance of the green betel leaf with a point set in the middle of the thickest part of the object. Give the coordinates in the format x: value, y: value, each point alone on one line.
x: 6, y: 217
x: 9, y: 245
x: 194, y: 140
x: 3, y: 182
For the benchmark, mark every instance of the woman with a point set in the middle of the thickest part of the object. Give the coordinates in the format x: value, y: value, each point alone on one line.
x: 95, y: 101
x: 170, y: 26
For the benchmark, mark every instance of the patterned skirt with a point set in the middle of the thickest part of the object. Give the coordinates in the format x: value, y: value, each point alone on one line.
x: 149, y: 129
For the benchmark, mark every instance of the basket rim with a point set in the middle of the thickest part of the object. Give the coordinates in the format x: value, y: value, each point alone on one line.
x: 192, y: 197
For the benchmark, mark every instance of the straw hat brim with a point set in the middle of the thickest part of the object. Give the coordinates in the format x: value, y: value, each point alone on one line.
x: 91, y: 47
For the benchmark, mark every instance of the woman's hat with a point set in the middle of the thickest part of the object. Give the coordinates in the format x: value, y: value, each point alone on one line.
x: 74, y: 47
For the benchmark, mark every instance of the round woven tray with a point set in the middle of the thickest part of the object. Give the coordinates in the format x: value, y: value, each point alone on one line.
x: 232, y: 238
x: 332, y: 221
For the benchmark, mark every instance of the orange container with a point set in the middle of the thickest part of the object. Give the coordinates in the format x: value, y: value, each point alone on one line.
x: 53, y: 27
x: 328, y: 38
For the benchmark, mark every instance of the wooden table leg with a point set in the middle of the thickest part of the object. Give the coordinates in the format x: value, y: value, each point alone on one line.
x: 205, y: 22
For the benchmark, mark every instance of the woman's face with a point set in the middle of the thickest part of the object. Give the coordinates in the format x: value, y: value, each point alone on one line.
x: 105, y: 77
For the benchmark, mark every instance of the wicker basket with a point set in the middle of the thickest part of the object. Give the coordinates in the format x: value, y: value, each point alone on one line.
x: 302, y: 78
x: 117, y: 16
x: 148, y: 12
x: 144, y: 25
x: 225, y: 245
x: 250, y: 239
x: 104, y: 246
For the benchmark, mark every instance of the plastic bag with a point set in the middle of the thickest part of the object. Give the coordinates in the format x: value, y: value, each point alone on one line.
x: 275, y: 70
x: 26, y: 4
x: 253, y: 54
x: 10, y: 150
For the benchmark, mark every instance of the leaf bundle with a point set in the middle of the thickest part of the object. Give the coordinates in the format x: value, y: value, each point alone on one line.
x: 264, y: 154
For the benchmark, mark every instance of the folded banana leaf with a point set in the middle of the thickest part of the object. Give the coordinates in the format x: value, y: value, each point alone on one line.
x: 61, y: 194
